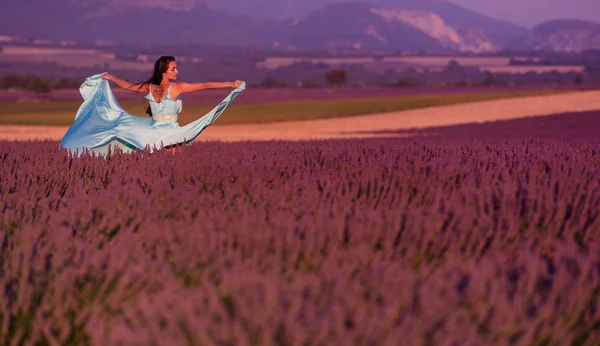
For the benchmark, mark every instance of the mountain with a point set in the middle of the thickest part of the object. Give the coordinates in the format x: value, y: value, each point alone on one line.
x: 429, y: 25
x: 460, y: 18
x: 357, y: 25
x: 568, y: 35
x: 145, y: 22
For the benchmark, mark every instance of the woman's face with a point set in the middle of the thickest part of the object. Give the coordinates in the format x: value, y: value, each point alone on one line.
x: 172, y: 71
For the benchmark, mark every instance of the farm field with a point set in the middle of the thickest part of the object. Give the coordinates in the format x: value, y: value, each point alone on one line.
x: 360, y: 126
x: 266, y: 95
x: 62, y: 113
x: 482, y: 234
x: 420, y: 63
x: 75, y: 57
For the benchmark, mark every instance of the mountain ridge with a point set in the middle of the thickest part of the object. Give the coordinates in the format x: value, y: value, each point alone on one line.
x: 429, y: 25
x: 567, y: 35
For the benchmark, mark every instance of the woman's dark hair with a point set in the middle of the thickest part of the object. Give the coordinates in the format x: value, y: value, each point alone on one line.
x: 160, y: 66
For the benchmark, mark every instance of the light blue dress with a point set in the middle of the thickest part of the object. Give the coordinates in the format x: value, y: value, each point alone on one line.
x: 101, y: 122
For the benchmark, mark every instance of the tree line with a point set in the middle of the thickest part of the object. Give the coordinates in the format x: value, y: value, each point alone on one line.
x: 36, y: 84
x: 305, y: 75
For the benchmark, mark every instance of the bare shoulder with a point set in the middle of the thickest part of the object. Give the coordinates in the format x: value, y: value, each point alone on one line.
x: 181, y: 85
x: 178, y: 86
x: 145, y: 88
x: 184, y: 87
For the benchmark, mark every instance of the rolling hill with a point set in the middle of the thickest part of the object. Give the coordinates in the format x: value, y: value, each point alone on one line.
x: 426, y: 25
x: 566, y: 35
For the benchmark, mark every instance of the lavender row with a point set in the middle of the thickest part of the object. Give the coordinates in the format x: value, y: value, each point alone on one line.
x: 357, y: 242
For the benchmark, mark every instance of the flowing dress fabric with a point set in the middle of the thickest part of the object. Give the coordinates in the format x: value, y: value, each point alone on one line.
x: 101, y: 122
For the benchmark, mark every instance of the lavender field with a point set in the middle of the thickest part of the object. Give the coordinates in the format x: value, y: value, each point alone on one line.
x: 470, y: 235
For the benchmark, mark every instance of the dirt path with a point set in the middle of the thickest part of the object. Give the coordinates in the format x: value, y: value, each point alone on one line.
x: 349, y: 127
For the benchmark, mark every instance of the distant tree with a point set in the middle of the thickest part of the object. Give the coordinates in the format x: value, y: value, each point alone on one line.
x: 592, y: 67
x: 67, y: 83
x: 309, y: 85
x: 38, y: 85
x: 411, y: 71
x: 405, y: 83
x: 557, y: 77
x: 452, y: 65
x: 578, y: 79
x: 270, y: 82
x: 489, y: 79
x: 13, y: 81
x: 461, y: 83
x: 336, y: 77
x: 530, y: 77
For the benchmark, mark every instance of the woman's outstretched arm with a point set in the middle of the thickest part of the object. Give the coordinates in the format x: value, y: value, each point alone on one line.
x: 193, y: 87
x: 125, y: 84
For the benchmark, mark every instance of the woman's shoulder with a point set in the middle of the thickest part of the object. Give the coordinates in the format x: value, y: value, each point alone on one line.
x: 174, y: 88
x: 144, y: 87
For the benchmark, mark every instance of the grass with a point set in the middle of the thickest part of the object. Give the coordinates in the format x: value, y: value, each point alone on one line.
x: 63, y: 113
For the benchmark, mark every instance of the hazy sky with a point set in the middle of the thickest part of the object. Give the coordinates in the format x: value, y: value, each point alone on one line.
x: 531, y: 12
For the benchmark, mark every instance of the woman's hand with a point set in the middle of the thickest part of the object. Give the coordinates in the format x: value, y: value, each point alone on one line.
x: 237, y: 84
x: 107, y: 76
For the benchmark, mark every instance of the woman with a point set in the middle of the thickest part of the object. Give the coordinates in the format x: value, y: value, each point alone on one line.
x: 101, y: 122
